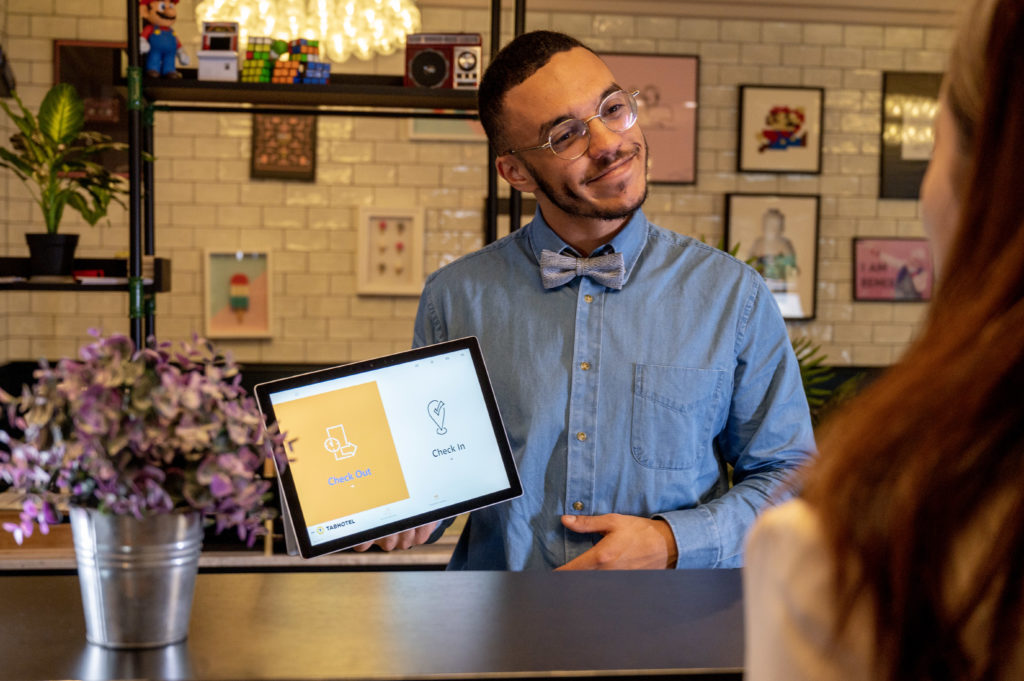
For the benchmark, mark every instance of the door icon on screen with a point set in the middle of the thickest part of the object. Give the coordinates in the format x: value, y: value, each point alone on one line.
x: 337, y: 443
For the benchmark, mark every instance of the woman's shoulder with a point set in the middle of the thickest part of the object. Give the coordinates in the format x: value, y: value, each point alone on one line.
x: 793, y: 524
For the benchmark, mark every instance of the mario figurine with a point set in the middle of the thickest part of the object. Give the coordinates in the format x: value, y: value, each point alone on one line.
x: 157, y: 40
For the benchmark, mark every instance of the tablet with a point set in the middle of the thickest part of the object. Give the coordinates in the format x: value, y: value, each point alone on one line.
x: 388, y: 444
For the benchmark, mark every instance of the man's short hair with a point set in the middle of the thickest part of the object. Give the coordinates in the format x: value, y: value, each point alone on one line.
x: 513, y: 64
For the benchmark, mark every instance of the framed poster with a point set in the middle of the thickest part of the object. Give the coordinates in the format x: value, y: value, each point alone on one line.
x: 238, y: 294
x: 892, y: 270
x: 389, y: 251
x: 666, y: 110
x: 778, y: 236
x: 283, y: 147
x: 909, y: 104
x: 780, y: 129
x: 447, y: 129
x: 93, y: 68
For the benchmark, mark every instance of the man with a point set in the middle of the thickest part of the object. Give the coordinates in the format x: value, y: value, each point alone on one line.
x: 628, y: 391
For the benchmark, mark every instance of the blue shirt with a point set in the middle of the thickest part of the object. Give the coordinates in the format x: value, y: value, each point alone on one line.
x: 630, y: 401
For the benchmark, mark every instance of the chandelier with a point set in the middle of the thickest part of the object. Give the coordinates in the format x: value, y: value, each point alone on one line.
x: 343, y: 27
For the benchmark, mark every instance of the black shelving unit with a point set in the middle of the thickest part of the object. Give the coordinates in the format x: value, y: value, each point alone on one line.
x: 114, y: 268
x: 349, y: 95
x: 344, y: 95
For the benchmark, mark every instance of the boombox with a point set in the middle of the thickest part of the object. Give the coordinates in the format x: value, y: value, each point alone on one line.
x: 442, y: 60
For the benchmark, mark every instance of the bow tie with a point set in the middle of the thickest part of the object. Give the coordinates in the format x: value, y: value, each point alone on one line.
x: 556, y: 269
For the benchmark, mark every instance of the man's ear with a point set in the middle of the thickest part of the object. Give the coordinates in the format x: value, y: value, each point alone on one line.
x: 513, y: 171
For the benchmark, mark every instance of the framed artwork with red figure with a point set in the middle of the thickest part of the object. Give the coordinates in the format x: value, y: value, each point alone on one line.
x: 780, y: 129
x: 238, y: 294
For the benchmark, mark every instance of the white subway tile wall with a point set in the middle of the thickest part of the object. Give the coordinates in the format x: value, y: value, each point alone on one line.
x: 204, y: 197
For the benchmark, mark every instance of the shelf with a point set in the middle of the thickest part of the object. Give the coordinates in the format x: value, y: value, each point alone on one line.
x: 348, y: 91
x: 111, y: 267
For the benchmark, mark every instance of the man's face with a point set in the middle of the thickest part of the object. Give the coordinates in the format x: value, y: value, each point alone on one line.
x: 609, y: 181
x: 160, y: 13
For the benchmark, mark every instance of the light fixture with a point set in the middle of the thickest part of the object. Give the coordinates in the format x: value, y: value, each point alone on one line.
x: 343, y: 27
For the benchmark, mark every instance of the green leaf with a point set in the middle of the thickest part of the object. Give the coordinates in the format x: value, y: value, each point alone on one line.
x: 9, y: 160
x: 62, y: 114
x: 26, y: 122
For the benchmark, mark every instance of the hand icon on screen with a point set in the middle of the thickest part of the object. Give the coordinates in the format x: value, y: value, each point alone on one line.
x: 436, y: 412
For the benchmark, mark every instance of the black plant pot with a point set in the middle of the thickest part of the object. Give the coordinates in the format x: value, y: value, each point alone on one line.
x: 51, y: 255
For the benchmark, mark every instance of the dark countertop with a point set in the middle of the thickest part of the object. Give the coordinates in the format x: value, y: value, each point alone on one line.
x: 400, y: 625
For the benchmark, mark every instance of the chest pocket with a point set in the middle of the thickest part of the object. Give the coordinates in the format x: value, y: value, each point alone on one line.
x: 674, y: 411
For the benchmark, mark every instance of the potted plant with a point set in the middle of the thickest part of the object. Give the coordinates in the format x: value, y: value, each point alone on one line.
x: 141, y: 446
x: 51, y: 153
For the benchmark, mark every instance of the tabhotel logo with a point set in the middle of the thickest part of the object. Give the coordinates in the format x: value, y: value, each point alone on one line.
x: 443, y: 60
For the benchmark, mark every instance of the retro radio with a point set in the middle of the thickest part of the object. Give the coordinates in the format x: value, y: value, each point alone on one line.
x: 442, y: 60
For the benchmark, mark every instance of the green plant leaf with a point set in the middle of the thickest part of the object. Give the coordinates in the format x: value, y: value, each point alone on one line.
x: 10, y: 160
x: 62, y: 114
x: 26, y: 121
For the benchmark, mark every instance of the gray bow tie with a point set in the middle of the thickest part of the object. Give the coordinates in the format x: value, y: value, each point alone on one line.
x: 556, y: 269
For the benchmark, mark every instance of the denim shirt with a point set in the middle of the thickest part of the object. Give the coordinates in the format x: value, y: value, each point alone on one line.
x: 626, y: 401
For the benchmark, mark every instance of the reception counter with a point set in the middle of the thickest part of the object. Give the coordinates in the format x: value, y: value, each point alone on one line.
x: 399, y: 625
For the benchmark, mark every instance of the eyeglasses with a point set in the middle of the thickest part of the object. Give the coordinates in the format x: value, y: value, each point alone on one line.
x: 570, y: 139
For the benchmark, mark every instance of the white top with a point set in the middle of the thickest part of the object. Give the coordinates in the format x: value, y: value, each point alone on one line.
x: 790, y: 606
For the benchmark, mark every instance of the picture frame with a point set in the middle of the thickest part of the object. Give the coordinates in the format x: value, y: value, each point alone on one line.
x: 892, y: 269
x: 910, y: 102
x: 667, y: 106
x: 389, y: 251
x: 778, y: 235
x: 94, y: 68
x: 434, y: 129
x: 238, y: 300
x: 283, y: 147
x: 780, y: 129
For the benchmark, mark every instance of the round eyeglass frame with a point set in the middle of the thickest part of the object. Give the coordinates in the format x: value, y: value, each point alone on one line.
x: 586, y: 126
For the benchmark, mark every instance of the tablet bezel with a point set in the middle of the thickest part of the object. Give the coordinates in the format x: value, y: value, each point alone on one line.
x: 292, y: 508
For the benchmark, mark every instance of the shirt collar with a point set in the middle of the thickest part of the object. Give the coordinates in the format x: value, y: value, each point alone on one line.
x: 629, y: 241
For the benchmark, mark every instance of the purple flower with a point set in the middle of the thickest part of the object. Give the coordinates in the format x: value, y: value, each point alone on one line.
x: 140, y: 433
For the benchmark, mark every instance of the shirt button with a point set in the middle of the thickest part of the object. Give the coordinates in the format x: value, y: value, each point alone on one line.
x: 581, y: 436
x: 577, y: 505
x: 588, y: 298
x: 585, y: 366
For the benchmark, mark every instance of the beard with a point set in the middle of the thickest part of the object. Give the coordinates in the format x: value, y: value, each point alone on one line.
x: 570, y: 202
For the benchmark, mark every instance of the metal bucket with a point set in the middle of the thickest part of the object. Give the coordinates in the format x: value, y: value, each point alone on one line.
x: 137, y: 576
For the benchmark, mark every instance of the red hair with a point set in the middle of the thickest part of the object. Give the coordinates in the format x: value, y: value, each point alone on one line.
x: 934, y: 450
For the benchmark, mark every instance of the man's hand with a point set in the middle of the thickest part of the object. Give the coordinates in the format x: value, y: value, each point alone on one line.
x: 401, y: 540
x: 629, y: 543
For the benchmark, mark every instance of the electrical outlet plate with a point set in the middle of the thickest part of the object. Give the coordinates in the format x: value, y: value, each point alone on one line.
x: 389, y: 258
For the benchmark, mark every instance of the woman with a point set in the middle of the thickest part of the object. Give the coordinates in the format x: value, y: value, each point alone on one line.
x: 903, y: 557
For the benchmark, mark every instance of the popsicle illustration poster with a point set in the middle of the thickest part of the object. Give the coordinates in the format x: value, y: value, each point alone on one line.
x: 237, y: 294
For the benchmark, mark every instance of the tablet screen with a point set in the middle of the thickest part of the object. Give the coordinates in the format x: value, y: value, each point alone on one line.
x: 388, y: 444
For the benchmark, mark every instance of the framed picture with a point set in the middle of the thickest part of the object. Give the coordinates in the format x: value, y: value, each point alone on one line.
x: 238, y: 294
x: 666, y: 110
x: 93, y: 68
x: 892, y: 270
x: 389, y: 251
x: 909, y: 104
x: 447, y: 129
x: 780, y: 129
x: 283, y: 147
x: 778, y: 236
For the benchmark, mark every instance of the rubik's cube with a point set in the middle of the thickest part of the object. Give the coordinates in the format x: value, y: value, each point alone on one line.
x: 260, y: 56
x: 275, y: 61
